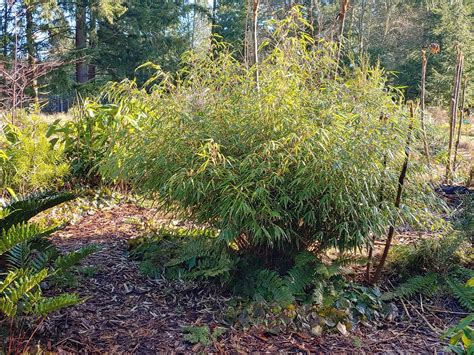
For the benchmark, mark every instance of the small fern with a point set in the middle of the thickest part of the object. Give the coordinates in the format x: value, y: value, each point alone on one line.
x: 65, y: 262
x: 463, y: 293
x: 49, y: 305
x: 17, y: 234
x: 412, y: 286
x: 16, y: 286
x: 30, y: 259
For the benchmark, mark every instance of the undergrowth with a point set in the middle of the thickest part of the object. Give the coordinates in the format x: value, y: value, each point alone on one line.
x: 31, y: 158
x: 439, y: 266
x: 305, y: 294
x: 29, y: 263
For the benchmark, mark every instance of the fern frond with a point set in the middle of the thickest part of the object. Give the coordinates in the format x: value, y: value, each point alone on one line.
x: 18, y: 256
x: 16, y: 286
x: 21, y: 211
x: 18, y: 234
x: 7, y: 307
x: 463, y: 293
x: 11, y: 277
x: 51, y: 304
x: 463, y: 273
x: 412, y: 286
x: 65, y: 262
x: 41, y: 260
x: 24, y: 284
x: 298, y: 279
x: 269, y: 285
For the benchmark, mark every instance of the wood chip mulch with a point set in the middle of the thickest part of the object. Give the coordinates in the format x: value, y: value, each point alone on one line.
x: 126, y: 312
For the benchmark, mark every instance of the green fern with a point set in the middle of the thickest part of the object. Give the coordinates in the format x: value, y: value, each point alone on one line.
x: 16, y: 286
x: 270, y: 286
x: 463, y: 293
x: 23, y: 210
x: 303, y: 273
x: 18, y: 234
x: 31, y: 258
x: 49, y: 305
x: 19, y: 256
x: 65, y: 262
x: 412, y: 286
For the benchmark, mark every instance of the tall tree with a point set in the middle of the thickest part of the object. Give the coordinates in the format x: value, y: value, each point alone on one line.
x: 105, y: 9
x: 81, y: 41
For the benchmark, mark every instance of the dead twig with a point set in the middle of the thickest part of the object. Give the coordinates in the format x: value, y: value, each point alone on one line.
x: 431, y: 326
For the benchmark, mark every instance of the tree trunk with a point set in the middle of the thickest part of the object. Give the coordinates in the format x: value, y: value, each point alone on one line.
x: 30, y: 48
x: 341, y: 20
x: 81, y: 42
x: 5, y: 29
x: 92, y: 43
x: 214, y: 18
x: 461, y: 118
x: 398, y: 199
x: 361, y: 25
x: 454, y: 113
x: 319, y: 19
x: 311, y: 18
x: 424, y: 62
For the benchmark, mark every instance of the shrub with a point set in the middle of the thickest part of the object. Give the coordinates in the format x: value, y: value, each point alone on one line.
x: 439, y: 254
x: 300, y: 161
x: 86, y: 138
x: 32, y: 159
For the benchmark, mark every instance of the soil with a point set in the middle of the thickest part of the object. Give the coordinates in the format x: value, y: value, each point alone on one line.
x: 126, y: 312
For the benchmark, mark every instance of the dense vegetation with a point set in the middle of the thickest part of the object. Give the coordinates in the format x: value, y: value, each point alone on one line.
x: 28, y: 260
x: 294, y: 162
x: 284, y: 160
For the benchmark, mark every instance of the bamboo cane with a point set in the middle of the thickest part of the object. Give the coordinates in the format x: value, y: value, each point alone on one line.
x: 461, y: 118
x: 454, y: 113
x: 401, y: 182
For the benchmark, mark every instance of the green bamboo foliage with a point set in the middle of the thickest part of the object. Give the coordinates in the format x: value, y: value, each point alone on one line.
x: 297, y: 164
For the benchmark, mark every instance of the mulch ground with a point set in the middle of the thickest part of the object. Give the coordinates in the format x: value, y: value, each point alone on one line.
x: 126, y: 312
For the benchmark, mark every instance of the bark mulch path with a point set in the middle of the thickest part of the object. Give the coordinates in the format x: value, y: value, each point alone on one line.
x: 128, y: 313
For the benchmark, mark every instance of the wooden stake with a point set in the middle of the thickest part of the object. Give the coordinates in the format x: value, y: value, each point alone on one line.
x: 383, y: 118
x: 398, y: 199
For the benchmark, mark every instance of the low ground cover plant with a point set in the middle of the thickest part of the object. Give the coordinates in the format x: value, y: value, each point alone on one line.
x: 29, y: 263
x: 440, y: 265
